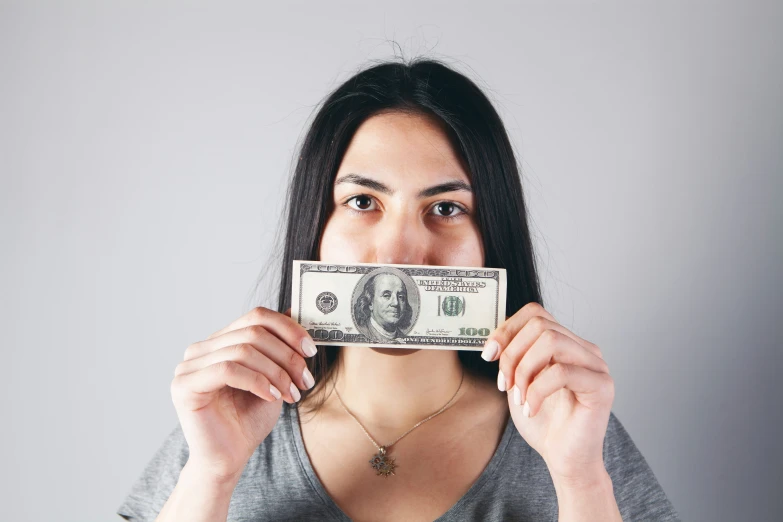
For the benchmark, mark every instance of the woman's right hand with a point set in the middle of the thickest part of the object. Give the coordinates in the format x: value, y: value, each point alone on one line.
x: 227, y: 389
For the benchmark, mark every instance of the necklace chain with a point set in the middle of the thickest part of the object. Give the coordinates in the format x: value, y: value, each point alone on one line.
x: 382, y: 449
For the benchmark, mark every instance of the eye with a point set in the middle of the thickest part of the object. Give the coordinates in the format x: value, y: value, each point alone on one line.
x: 448, y: 210
x: 443, y: 210
x: 360, y: 202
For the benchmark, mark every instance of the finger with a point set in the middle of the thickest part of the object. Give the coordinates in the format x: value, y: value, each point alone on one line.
x: 283, y: 327
x: 505, y: 332
x: 510, y: 329
x: 580, y: 380
x: 515, y: 349
x: 271, y: 346
x: 224, y: 373
x: 258, y: 315
x: 521, y: 364
x: 523, y: 340
x: 255, y: 334
x: 251, y: 357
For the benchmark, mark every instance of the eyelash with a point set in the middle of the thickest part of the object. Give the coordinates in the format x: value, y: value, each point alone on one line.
x: 463, y: 210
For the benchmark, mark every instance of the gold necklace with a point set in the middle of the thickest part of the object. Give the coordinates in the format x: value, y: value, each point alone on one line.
x: 381, y: 462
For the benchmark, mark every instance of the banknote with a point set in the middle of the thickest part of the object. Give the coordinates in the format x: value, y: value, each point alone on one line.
x: 398, y: 306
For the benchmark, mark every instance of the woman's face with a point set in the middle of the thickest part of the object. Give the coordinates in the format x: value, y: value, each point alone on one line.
x: 401, y: 196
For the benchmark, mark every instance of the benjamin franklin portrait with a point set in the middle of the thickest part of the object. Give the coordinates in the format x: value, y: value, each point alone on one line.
x: 382, y: 309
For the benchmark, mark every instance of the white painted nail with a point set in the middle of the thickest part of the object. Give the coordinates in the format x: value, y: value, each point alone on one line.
x: 490, y: 350
x: 501, y: 381
x: 526, y: 410
x: 274, y: 391
x: 517, y: 396
x: 308, y: 378
x: 295, y: 392
x: 308, y: 347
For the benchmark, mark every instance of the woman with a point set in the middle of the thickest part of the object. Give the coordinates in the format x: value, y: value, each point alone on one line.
x: 406, y: 164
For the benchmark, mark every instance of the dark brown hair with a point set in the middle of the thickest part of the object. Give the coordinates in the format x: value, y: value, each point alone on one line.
x: 429, y: 88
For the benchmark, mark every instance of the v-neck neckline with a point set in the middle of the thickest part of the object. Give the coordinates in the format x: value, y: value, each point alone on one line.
x: 489, y: 471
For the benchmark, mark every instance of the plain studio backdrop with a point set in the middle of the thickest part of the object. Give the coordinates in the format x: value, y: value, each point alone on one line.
x: 144, y: 150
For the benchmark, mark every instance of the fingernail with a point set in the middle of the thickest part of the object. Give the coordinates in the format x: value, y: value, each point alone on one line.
x: 274, y: 391
x: 308, y: 378
x: 501, y: 381
x: 308, y: 347
x: 295, y: 392
x: 526, y: 410
x: 517, y: 396
x: 490, y: 350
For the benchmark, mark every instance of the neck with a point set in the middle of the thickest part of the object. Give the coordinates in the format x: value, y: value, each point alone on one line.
x: 391, y: 389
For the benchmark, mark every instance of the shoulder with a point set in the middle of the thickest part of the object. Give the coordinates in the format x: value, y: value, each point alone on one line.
x: 270, y: 462
x: 637, y: 490
x: 154, y: 485
x: 620, y: 451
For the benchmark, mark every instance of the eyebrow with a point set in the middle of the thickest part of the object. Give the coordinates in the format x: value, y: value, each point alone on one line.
x: 449, y: 186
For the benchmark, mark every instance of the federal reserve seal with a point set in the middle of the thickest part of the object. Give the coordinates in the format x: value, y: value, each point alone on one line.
x: 326, y: 302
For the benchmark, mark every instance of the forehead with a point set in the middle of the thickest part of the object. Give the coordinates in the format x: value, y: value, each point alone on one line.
x: 404, y: 151
x: 388, y: 281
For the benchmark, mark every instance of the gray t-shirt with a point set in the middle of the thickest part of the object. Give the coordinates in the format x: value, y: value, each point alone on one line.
x: 279, y: 484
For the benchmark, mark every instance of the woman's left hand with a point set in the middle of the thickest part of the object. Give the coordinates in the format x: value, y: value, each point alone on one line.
x: 562, y: 381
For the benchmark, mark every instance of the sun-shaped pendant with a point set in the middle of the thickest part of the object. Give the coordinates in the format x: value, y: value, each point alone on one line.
x: 382, y: 464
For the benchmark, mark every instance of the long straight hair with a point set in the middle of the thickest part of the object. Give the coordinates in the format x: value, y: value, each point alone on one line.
x: 430, y: 88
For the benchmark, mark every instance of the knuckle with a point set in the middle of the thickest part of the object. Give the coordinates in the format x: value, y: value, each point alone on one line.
x: 242, y: 351
x: 520, y: 375
x: 539, y: 323
x: 561, y: 370
x: 531, y: 395
x: 594, y: 347
x: 260, y: 381
x: 189, y: 351
x: 174, y: 390
x: 533, y: 307
x: 504, y: 329
x: 178, y: 388
x: 225, y: 368
x: 255, y: 330
x: 608, y: 386
x: 259, y: 313
x: 504, y: 361
x: 294, y: 359
x: 549, y: 336
x: 282, y: 376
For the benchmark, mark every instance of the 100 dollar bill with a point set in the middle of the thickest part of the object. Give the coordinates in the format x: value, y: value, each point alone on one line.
x: 398, y: 306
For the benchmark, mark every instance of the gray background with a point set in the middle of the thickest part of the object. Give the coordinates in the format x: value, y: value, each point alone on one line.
x: 143, y: 152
